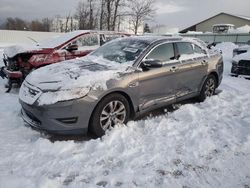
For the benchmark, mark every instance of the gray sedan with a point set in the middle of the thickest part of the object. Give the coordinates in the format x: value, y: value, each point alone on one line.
x: 118, y: 82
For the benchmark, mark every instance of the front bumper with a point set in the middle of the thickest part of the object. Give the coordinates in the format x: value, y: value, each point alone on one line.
x: 66, y: 118
x: 5, y: 73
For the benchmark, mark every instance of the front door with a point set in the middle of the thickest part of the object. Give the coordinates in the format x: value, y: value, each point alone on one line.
x: 86, y: 43
x: 157, y: 85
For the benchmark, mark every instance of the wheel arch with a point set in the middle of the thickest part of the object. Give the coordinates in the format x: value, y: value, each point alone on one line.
x: 215, y: 74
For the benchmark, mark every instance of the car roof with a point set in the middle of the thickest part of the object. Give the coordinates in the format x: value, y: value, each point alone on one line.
x: 161, y: 38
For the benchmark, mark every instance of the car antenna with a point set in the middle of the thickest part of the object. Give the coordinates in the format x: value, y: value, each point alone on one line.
x: 37, y: 43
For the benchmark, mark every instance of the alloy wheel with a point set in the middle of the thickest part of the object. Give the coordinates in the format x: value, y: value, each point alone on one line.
x: 113, y: 113
x: 210, y: 87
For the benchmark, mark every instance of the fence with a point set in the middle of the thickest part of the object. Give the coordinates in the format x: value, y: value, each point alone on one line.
x: 14, y: 37
x: 217, y: 38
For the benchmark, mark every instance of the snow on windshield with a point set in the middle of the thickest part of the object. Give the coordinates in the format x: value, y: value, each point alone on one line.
x: 56, y: 41
x: 121, y: 50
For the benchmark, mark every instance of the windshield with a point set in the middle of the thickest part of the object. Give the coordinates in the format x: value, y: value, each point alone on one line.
x: 58, y: 40
x: 121, y: 50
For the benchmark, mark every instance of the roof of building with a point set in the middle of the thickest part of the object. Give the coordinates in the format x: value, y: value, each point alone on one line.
x: 234, y: 15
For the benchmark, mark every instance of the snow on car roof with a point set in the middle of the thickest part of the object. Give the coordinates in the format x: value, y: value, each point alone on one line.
x: 223, y: 25
x: 59, y: 40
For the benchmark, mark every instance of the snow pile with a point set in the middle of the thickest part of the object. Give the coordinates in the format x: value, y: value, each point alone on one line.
x: 243, y: 29
x: 194, y: 32
x: 199, y: 145
x: 227, y: 52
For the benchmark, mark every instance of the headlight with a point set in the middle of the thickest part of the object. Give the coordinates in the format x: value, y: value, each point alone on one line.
x: 51, y: 97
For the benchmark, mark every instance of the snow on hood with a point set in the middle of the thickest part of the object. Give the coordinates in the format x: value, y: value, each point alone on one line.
x: 71, y: 79
x: 18, y: 49
x: 243, y: 56
x: 244, y: 47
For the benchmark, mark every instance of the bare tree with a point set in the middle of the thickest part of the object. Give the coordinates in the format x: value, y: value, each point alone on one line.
x: 16, y: 24
x: 47, y: 24
x: 110, y: 11
x: 140, y: 10
x: 86, y: 13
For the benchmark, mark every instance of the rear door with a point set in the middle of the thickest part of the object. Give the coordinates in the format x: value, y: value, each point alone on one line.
x: 158, y: 85
x: 192, y: 69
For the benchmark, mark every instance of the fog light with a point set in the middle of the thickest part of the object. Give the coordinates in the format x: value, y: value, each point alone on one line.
x: 70, y: 120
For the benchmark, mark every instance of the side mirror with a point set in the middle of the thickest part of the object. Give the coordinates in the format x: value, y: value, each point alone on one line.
x: 72, y: 47
x: 150, y: 63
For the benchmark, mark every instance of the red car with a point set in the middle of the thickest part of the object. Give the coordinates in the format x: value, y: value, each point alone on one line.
x: 21, y: 60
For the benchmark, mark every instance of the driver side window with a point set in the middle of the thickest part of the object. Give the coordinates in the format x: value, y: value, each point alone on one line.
x: 86, y: 40
x: 163, y: 52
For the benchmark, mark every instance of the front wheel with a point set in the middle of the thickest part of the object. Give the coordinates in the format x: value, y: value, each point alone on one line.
x: 113, y: 109
x: 208, y: 88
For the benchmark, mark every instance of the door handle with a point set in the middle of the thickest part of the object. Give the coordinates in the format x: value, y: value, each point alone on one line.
x: 204, y: 62
x: 174, y: 68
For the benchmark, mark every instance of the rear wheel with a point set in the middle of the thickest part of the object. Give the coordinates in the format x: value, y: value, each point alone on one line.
x: 113, y: 109
x: 208, y: 88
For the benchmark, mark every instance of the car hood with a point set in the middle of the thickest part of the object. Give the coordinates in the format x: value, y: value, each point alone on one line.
x: 245, y: 47
x: 70, y: 79
x: 243, y: 56
x: 12, y: 51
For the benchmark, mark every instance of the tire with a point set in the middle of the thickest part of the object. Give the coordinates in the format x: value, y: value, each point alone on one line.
x: 111, y: 110
x: 208, y: 88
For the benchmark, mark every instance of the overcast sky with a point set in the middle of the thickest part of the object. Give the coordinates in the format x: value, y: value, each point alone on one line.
x: 173, y: 13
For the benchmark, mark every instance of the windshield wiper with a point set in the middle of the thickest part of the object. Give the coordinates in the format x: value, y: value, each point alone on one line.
x: 37, y: 43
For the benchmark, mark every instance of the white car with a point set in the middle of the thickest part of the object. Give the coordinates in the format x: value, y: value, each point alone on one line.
x: 242, y: 49
x: 241, y: 65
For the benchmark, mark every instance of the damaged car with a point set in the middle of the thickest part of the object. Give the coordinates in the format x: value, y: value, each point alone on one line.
x: 21, y: 60
x: 118, y: 82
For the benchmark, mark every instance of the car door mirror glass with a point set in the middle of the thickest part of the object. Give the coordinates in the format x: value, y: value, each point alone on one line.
x: 151, y: 63
x: 72, y: 47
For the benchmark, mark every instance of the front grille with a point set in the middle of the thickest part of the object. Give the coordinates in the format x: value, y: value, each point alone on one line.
x: 243, y: 67
x: 244, y: 63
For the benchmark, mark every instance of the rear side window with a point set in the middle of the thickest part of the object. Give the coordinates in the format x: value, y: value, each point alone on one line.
x: 163, y: 52
x: 185, y: 48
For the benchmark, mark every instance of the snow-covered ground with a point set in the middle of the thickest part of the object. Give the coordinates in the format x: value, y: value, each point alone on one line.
x: 199, y: 145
